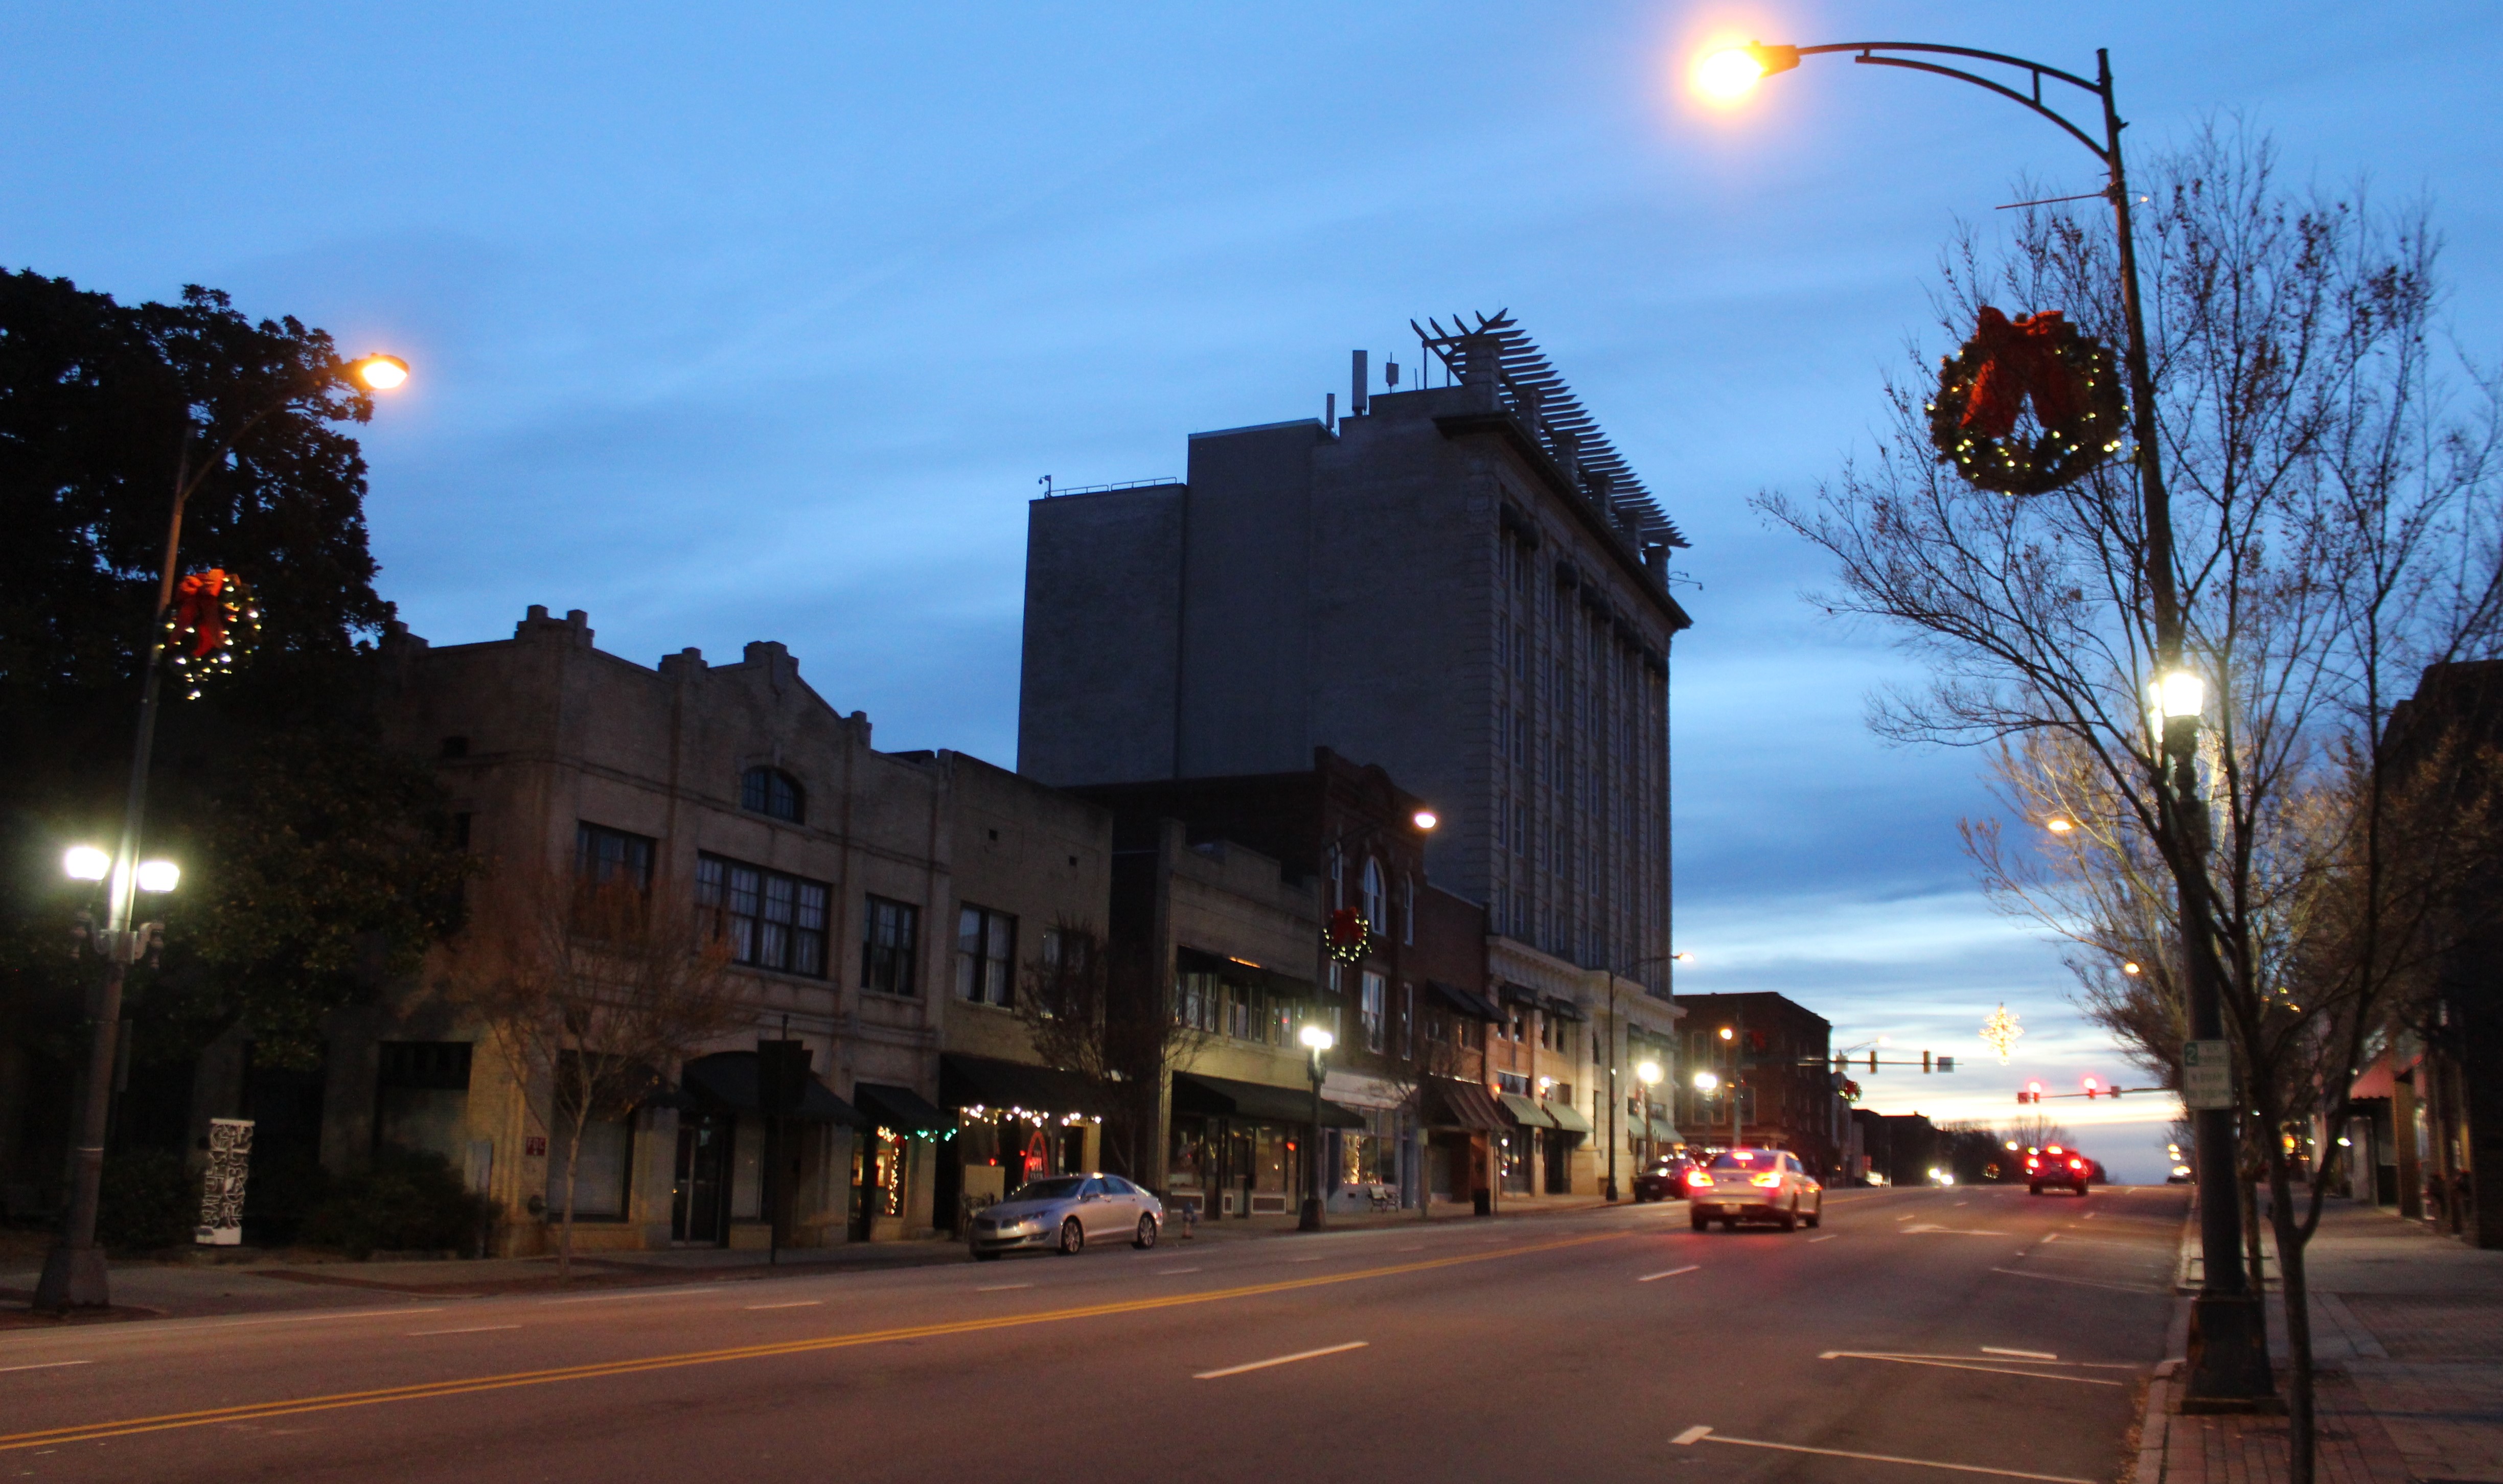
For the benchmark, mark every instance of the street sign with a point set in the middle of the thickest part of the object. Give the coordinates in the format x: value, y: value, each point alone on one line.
x: 2206, y: 1076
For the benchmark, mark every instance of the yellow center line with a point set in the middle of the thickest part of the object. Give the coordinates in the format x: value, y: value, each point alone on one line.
x: 592, y: 1370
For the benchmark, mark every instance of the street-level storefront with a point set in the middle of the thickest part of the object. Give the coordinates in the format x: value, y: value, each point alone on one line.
x: 1564, y: 1149
x: 738, y: 1168
x: 1015, y: 1122
x: 1461, y: 1127
x: 1238, y: 1148
x: 894, y: 1165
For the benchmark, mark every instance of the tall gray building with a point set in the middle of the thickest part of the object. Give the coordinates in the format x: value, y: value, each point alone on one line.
x: 1462, y: 583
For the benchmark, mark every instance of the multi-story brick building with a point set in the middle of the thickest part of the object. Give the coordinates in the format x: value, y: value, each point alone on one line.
x: 1770, y: 1058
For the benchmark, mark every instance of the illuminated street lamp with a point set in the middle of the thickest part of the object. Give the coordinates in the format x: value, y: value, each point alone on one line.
x: 1648, y: 1074
x: 1316, y: 1039
x: 2228, y: 1358
x: 74, y: 1270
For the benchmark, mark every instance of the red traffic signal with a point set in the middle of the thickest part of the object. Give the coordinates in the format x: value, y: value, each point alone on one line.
x: 2094, y: 1089
x: 2033, y: 1093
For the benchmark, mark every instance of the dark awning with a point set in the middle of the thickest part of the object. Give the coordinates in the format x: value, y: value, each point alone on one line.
x: 1566, y: 1117
x: 1450, y: 1104
x: 1006, y: 1087
x: 1561, y: 1009
x: 1525, y: 1112
x: 1512, y: 994
x: 899, y: 1109
x: 726, y: 1082
x: 1264, y: 1102
x: 1468, y: 1002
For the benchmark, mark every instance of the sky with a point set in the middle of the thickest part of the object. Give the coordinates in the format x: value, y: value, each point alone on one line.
x: 762, y: 321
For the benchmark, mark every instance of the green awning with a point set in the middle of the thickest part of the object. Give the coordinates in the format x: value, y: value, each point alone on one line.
x: 1567, y: 1118
x: 1259, y: 1101
x: 1525, y: 1112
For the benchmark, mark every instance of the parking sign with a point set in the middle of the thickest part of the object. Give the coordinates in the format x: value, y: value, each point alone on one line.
x: 2206, y: 1076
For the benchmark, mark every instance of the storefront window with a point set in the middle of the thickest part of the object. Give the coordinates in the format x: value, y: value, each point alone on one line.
x: 887, y: 1161
x: 601, y: 1181
x: 1514, y: 1150
x: 1183, y: 1165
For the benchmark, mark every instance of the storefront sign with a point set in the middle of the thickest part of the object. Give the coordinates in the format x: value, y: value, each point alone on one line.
x: 2206, y: 1076
x: 222, y: 1185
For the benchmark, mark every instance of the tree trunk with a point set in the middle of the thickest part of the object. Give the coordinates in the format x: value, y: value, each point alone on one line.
x: 564, y: 1221
x: 2301, y: 1427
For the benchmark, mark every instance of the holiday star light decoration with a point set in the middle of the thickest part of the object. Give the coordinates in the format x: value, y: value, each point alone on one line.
x: 2000, y: 1033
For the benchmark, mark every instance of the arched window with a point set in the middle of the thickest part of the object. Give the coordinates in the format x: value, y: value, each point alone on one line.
x: 769, y: 791
x: 1377, y: 899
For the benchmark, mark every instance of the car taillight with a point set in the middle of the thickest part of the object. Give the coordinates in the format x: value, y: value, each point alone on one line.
x: 1699, y: 1177
x: 2076, y: 1164
x: 2033, y: 1163
x: 1766, y: 1181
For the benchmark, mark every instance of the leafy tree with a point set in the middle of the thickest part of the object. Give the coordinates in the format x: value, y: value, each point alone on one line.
x: 311, y: 858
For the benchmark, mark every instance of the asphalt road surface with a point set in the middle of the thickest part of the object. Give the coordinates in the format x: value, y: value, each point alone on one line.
x: 1919, y: 1335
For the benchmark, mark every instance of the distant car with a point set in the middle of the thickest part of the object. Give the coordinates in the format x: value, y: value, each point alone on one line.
x: 1661, y: 1180
x: 1064, y: 1213
x: 1753, y: 1184
x: 2053, y: 1167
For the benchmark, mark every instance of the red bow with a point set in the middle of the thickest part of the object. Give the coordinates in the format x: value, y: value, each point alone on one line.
x: 2020, y: 357
x: 200, y: 612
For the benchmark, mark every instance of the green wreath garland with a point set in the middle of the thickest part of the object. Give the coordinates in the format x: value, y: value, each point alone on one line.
x: 2072, y: 381
x: 213, y: 622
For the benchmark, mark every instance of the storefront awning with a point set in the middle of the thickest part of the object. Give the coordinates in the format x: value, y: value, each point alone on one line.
x: 1525, y: 1112
x: 1468, y: 1002
x: 1450, y: 1104
x: 899, y: 1109
x: 1013, y: 1087
x: 1561, y: 1009
x: 1261, y: 1101
x: 726, y: 1082
x: 1512, y: 994
x: 1567, y: 1117
x: 2376, y: 1082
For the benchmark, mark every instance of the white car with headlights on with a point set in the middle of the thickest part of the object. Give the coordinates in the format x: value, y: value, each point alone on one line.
x: 1753, y: 1184
x: 1064, y: 1213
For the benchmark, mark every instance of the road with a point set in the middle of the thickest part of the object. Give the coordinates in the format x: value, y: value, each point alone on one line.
x: 1917, y: 1325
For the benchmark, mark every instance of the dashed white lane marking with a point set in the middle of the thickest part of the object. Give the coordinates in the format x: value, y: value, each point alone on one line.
x: 1649, y: 1277
x: 1323, y: 1257
x: 796, y: 1303
x: 1907, y: 1216
x: 1173, y: 1272
x: 1829, y: 1236
x: 1280, y: 1360
x: 473, y: 1330
x: 1693, y: 1436
x: 2118, y: 1288
x: 46, y: 1366
x: 2022, y: 1354
x: 2051, y: 1236
x: 1945, y: 1363
x: 1002, y: 1288
x: 1420, y: 1247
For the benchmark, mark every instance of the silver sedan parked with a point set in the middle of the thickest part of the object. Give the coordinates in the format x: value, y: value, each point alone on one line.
x: 1066, y: 1212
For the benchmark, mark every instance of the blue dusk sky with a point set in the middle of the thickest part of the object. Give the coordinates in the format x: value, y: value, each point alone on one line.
x: 758, y: 321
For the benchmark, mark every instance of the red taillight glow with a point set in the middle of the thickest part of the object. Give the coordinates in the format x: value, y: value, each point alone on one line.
x: 2076, y: 1164
x: 2031, y: 1162
x: 1766, y: 1181
x: 1699, y: 1177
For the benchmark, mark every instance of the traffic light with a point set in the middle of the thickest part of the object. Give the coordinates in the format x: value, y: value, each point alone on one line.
x: 1946, y: 1063
x: 2094, y: 1089
x: 2033, y: 1093
x: 1925, y: 1064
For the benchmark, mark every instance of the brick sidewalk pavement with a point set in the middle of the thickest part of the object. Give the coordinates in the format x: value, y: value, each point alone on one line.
x: 2408, y: 1330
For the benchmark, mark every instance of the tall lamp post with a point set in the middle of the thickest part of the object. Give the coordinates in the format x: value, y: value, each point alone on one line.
x: 1648, y: 1074
x: 2228, y: 1360
x: 73, y: 1272
x: 1318, y: 1039
x: 1615, y: 1100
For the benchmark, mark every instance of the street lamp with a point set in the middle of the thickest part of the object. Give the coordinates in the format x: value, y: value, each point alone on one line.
x: 1648, y: 1074
x: 74, y: 1273
x: 1318, y: 1039
x: 2228, y: 1360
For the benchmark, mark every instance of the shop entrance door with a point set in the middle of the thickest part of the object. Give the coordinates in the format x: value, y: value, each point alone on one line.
x: 698, y: 1200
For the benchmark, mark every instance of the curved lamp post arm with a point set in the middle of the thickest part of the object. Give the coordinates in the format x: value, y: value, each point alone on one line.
x: 1782, y: 59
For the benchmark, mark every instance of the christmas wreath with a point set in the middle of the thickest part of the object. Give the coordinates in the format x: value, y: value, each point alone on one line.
x: 213, y: 622
x: 1348, y: 935
x: 2072, y: 381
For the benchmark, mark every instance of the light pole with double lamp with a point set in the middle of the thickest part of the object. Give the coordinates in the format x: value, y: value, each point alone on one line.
x: 2228, y: 1360
x: 1318, y: 1040
x: 73, y: 1272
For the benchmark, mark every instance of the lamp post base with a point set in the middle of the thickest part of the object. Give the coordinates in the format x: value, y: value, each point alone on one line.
x: 2228, y: 1365
x: 1612, y: 1191
x: 1310, y: 1219
x: 73, y: 1279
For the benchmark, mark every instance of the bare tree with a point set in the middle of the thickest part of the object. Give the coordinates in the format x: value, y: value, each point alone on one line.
x: 591, y: 990
x: 1109, y: 1017
x: 2334, y: 511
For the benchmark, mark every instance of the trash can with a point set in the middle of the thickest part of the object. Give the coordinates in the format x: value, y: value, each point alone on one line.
x: 1482, y: 1202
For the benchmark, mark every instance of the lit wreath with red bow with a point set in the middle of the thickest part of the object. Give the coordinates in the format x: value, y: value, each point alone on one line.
x: 2070, y: 379
x: 1348, y: 935
x: 213, y: 622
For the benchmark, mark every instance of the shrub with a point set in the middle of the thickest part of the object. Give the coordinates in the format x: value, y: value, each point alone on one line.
x: 148, y: 1201
x: 410, y: 1199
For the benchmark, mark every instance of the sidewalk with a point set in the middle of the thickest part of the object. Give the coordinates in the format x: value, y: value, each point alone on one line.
x: 2408, y: 1335
x: 240, y: 1282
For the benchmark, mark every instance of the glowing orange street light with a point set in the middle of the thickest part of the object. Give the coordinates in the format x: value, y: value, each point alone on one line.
x: 1726, y: 75
x: 379, y: 373
x: 2058, y: 825
x: 1424, y: 819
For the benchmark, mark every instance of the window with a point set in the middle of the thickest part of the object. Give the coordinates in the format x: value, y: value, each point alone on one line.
x: 769, y: 791
x: 890, y: 933
x: 1407, y: 909
x: 1408, y: 1020
x: 1515, y: 1082
x: 603, y: 855
x: 985, y: 956
x: 772, y: 921
x: 1376, y: 997
x: 1377, y: 897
